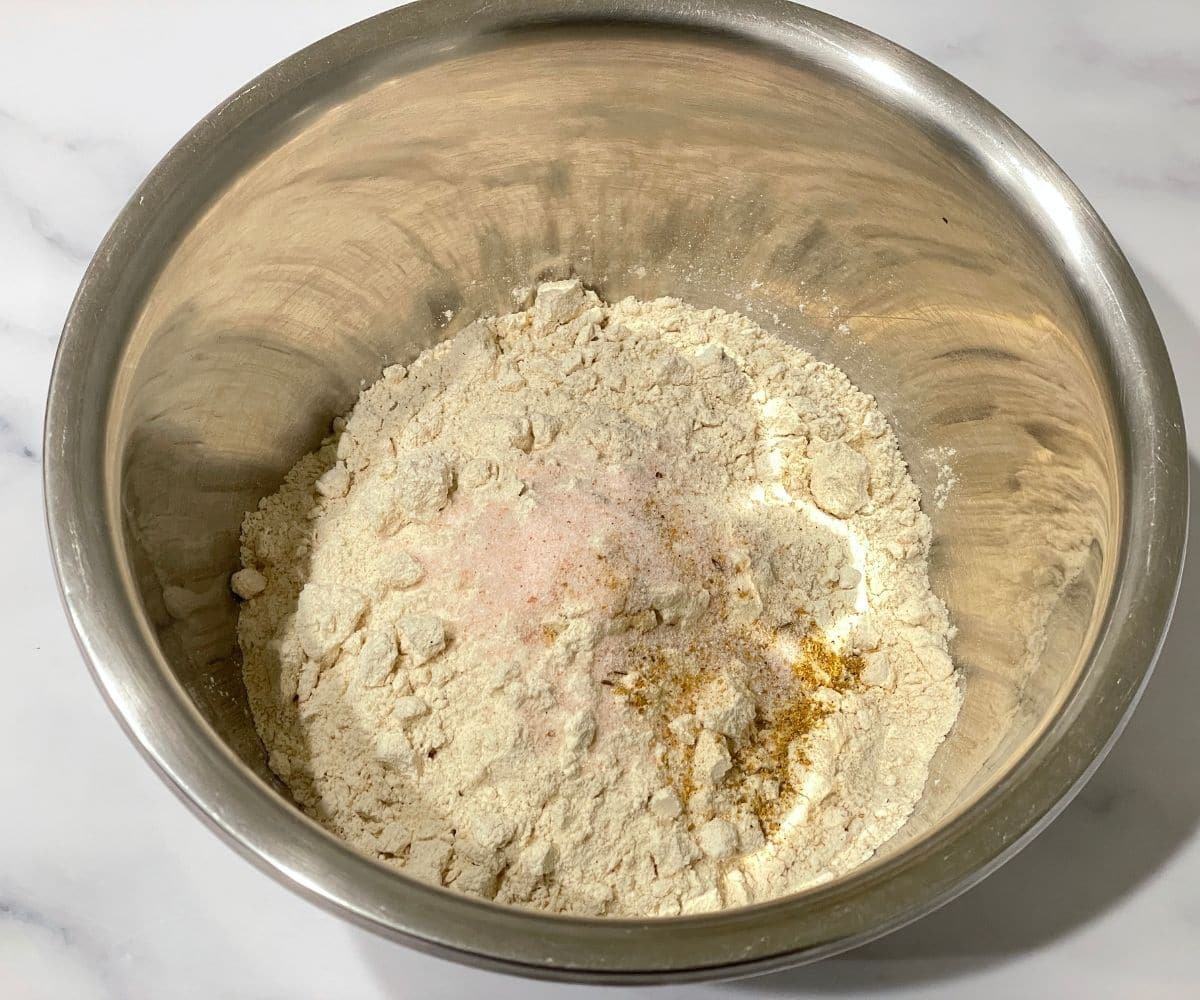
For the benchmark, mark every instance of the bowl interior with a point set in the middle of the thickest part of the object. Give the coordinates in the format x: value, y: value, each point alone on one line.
x: 334, y: 234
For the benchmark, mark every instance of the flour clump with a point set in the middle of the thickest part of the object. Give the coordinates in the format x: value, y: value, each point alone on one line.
x: 602, y: 609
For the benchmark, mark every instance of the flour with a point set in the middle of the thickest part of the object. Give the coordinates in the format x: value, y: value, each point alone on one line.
x: 940, y: 460
x: 602, y: 609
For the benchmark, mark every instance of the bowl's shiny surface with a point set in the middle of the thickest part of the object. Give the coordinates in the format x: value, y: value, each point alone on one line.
x: 764, y: 158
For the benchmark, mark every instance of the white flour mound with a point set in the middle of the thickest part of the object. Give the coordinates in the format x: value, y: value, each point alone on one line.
x: 602, y: 609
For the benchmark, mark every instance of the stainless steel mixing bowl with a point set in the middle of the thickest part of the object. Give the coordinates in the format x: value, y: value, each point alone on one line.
x: 377, y: 191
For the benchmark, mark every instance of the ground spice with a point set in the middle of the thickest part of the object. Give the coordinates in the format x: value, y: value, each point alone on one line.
x: 666, y: 684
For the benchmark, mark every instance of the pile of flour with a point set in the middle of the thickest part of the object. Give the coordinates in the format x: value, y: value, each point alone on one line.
x: 603, y: 609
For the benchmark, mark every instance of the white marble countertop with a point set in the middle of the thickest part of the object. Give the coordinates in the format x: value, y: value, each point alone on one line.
x: 110, y: 888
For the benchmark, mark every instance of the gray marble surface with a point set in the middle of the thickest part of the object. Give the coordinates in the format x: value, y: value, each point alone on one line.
x: 110, y: 888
